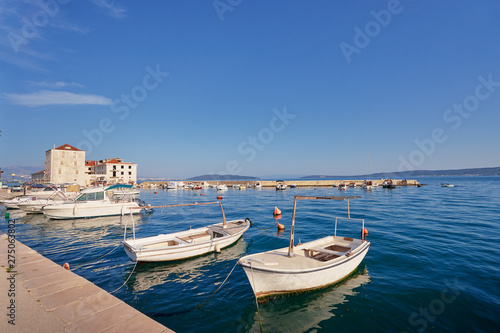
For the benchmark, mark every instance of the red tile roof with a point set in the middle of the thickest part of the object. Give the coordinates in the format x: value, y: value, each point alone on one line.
x: 115, y: 161
x: 90, y: 163
x: 38, y: 172
x: 67, y: 147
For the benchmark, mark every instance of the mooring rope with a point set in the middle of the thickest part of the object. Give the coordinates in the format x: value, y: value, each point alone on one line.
x: 93, y: 260
x: 195, y: 307
x: 254, y: 225
x: 199, y: 306
x: 133, y: 269
x: 256, y: 302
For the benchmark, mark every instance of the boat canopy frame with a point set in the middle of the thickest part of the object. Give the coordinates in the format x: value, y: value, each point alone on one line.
x: 331, y: 197
x: 224, y: 222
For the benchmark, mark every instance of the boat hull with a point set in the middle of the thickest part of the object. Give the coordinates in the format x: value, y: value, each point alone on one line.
x: 177, y: 249
x: 78, y: 211
x: 269, y: 279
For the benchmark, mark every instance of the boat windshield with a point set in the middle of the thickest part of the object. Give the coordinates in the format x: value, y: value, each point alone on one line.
x: 90, y: 196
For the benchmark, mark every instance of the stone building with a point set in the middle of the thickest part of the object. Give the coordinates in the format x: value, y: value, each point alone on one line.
x: 67, y: 164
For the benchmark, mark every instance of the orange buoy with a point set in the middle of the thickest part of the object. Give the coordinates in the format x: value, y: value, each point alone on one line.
x: 276, y: 211
x: 202, y: 193
x: 156, y: 192
x: 66, y: 266
x: 219, y: 197
x: 364, y: 232
x: 280, y: 226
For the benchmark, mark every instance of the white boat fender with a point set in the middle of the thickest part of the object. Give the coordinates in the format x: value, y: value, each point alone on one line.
x: 217, y: 248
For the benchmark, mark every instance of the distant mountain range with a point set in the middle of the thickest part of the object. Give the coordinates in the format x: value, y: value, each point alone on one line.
x: 19, y: 171
x: 221, y: 177
x: 495, y: 171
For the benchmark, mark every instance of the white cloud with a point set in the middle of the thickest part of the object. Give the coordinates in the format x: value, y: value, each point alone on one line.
x: 47, y: 97
x: 55, y: 85
x: 112, y: 9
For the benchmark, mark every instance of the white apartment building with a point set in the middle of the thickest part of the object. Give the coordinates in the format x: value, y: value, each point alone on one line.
x: 115, y: 171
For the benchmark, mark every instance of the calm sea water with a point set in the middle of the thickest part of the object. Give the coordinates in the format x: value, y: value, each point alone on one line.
x: 433, y: 264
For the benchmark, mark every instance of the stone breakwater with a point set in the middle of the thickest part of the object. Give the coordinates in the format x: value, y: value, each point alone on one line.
x: 299, y: 183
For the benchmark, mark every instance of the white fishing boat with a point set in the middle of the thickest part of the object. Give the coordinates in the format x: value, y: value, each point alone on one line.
x: 205, y: 185
x: 186, y: 244
x: 258, y: 185
x: 367, y: 185
x: 388, y: 183
x: 35, y: 205
x: 447, y: 185
x: 172, y: 186
x: 280, y: 185
x: 94, y: 202
x: 306, y: 266
x: 221, y: 187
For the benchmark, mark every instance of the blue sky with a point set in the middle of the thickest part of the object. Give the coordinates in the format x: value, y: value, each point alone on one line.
x: 253, y: 87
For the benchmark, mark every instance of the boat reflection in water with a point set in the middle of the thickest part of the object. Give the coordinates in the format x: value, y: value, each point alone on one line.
x: 305, y: 312
x: 184, y: 274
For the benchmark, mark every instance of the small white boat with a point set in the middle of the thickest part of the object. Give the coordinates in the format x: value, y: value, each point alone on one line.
x: 186, y: 244
x: 367, y: 185
x: 221, y: 187
x: 280, y: 185
x: 126, y: 191
x: 306, y: 266
x: 242, y: 187
x: 258, y: 185
x: 447, y: 185
x: 35, y: 205
x: 172, y: 186
x: 205, y: 185
x: 189, y: 186
x: 94, y: 202
x: 342, y: 187
x: 388, y: 183
x: 14, y: 202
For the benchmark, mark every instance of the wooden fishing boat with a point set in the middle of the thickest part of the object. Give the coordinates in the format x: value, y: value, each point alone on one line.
x: 186, y: 244
x: 306, y: 266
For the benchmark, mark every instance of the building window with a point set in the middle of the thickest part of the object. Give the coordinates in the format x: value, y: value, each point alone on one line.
x: 74, y: 154
x: 62, y: 162
x: 62, y: 154
x: 123, y: 166
x: 122, y: 173
x: 59, y: 172
x: 129, y: 173
x: 76, y: 172
x: 75, y: 162
x: 130, y: 167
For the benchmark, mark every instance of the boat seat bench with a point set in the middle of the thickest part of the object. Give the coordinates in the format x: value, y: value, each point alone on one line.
x: 196, y: 237
x: 335, y: 252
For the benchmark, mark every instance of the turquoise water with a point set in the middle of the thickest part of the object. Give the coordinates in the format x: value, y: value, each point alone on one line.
x: 433, y: 264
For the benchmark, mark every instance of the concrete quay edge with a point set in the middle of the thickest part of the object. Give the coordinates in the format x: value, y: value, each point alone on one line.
x: 49, y: 298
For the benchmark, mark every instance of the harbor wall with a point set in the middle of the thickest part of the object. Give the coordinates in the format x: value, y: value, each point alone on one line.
x: 299, y: 183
